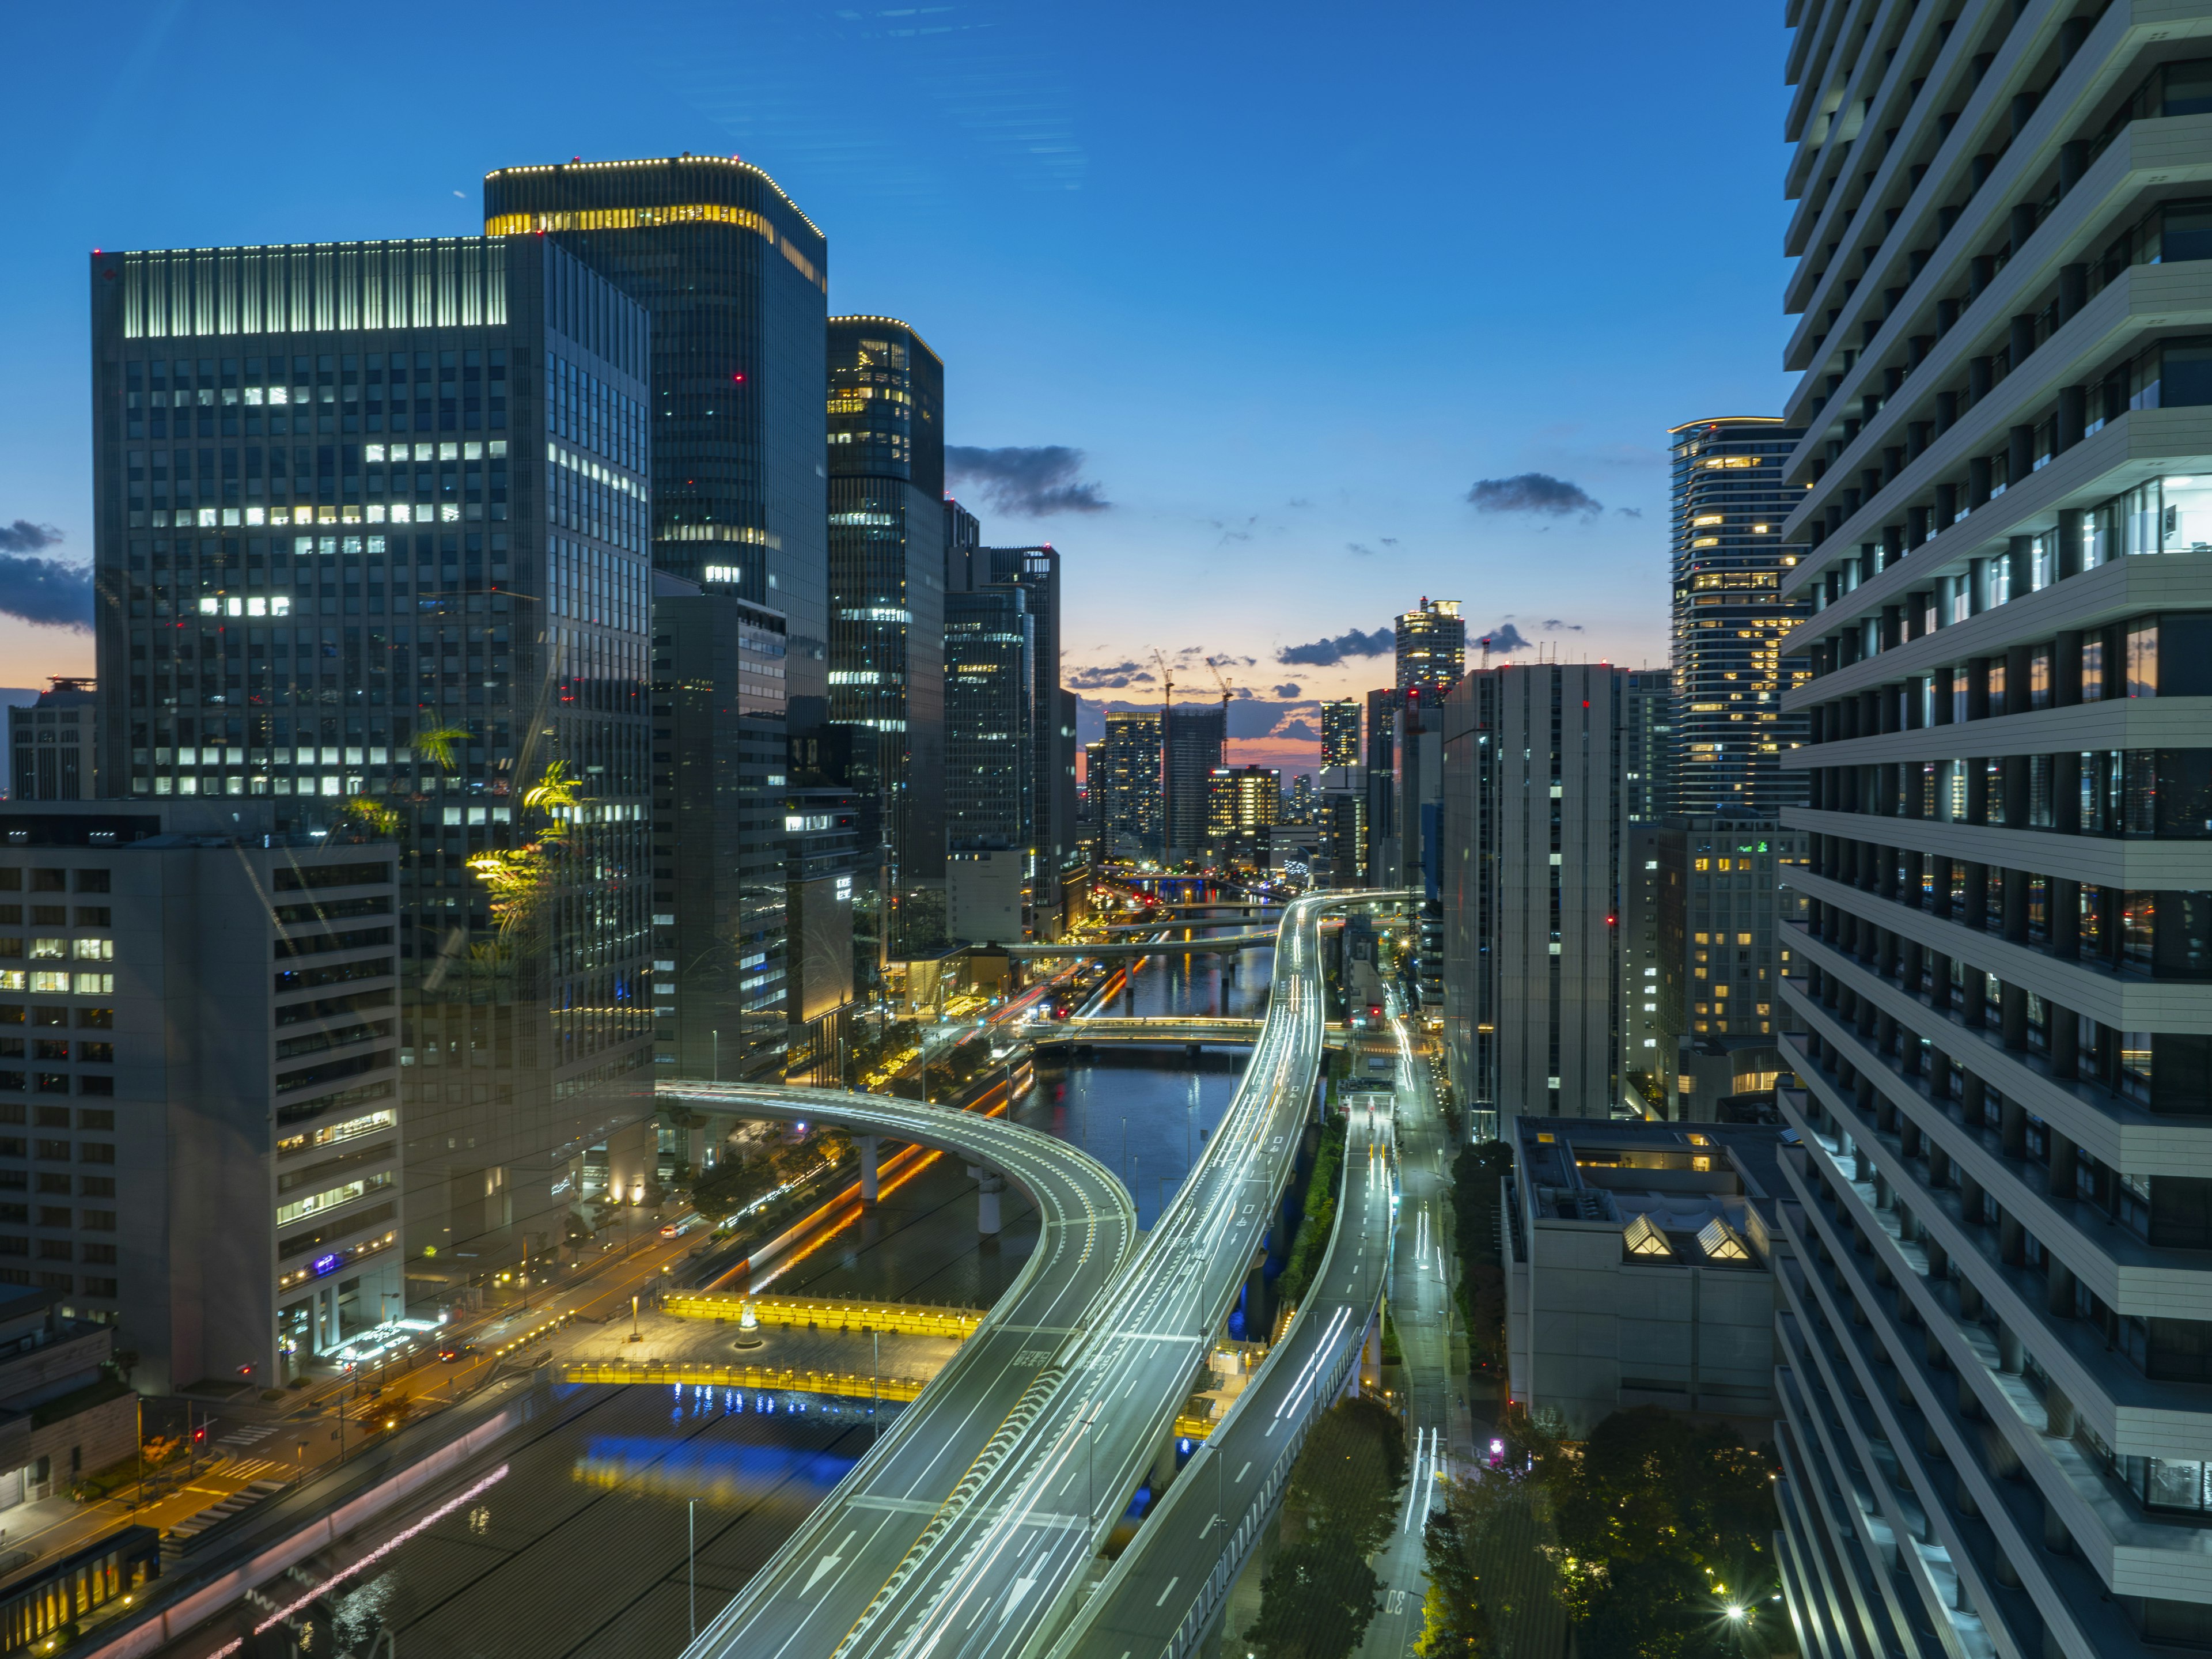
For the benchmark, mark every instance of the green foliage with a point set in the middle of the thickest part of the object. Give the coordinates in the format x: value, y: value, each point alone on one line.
x: 1662, y: 1526
x: 1456, y: 1622
x: 735, y: 1182
x: 1318, y: 1594
x: 1311, y: 1243
x: 1477, y: 1228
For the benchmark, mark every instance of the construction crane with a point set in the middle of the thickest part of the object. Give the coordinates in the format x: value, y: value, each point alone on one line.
x: 1227, y: 692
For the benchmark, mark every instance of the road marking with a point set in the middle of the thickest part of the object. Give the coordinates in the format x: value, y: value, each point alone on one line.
x: 1210, y: 1525
x: 1241, y: 1473
x: 1022, y: 1588
x: 829, y: 1561
x: 1163, y: 1601
x: 902, y: 1505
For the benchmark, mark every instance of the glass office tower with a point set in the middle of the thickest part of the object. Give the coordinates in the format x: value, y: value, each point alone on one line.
x: 1054, y: 841
x: 735, y: 278
x: 1997, y: 1342
x: 1431, y: 647
x: 886, y: 450
x: 372, y: 541
x: 1728, y: 504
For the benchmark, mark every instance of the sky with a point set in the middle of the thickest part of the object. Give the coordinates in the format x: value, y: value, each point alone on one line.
x: 1297, y: 313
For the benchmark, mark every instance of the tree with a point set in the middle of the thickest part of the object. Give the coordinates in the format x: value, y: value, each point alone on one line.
x: 1455, y: 1623
x: 1318, y: 1594
x: 1663, y: 1525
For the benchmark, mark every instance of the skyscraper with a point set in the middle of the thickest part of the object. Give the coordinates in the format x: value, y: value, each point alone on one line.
x: 1529, y: 847
x: 1729, y: 502
x: 1647, y: 734
x: 1995, y: 1355
x: 887, y: 523
x: 1126, y: 799
x: 722, y: 972
x: 1037, y: 570
x: 1339, y: 736
x: 414, y: 593
x: 734, y: 278
x: 1431, y: 647
x: 989, y: 788
x: 1196, y: 744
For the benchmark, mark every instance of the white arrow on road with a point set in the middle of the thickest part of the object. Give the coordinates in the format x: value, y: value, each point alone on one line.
x: 829, y: 1561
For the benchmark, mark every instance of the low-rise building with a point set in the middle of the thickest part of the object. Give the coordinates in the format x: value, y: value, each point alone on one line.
x: 63, y: 1412
x: 1639, y: 1270
x: 199, y: 1111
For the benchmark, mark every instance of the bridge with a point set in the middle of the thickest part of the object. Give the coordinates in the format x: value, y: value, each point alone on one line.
x: 1099, y: 1031
x: 1142, y: 947
x: 1012, y: 1530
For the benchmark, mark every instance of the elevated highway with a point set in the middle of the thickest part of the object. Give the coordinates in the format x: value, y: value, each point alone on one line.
x: 1104, y: 1032
x: 797, y: 1606
x: 992, y: 1562
x: 1145, y: 947
x: 1165, y: 1591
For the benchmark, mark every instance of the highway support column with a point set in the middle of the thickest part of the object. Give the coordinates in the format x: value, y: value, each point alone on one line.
x: 989, y: 1183
x: 868, y: 1184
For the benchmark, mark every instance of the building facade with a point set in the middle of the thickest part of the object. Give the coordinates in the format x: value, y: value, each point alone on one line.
x: 887, y: 522
x: 722, y: 989
x: 55, y: 743
x: 1196, y: 744
x: 1727, y: 506
x: 1339, y: 737
x: 203, y: 1060
x: 1127, y: 798
x: 412, y: 596
x: 1997, y: 1396
x: 1052, y: 726
x: 1648, y: 762
x: 1431, y: 647
x: 1529, y: 848
x: 1244, y: 803
x: 989, y: 784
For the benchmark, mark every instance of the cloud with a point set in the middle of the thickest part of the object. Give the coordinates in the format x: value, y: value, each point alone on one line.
x: 1630, y: 512
x: 1298, y: 731
x: 1388, y: 541
x: 24, y: 536
x: 1234, y: 533
x: 43, y: 591
x: 1327, y: 653
x: 1360, y: 548
x: 1553, y: 625
x: 1505, y: 639
x: 1291, y: 690
x: 1533, y: 492
x: 1115, y: 677
x: 1298, y: 501
x: 1030, y: 482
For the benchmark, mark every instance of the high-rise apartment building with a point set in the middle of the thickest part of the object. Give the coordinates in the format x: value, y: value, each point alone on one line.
x: 1196, y: 743
x: 1431, y: 647
x: 408, y: 588
x: 963, y: 543
x: 1529, y: 844
x: 887, y: 523
x: 722, y: 973
x: 1127, y: 798
x: 200, y: 1049
x: 1997, y: 1354
x: 55, y: 743
x: 1339, y: 736
x: 1728, y: 504
x: 1242, y: 798
x: 1380, y: 785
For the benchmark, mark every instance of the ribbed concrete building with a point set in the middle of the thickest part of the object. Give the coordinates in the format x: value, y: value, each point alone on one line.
x: 1997, y: 1337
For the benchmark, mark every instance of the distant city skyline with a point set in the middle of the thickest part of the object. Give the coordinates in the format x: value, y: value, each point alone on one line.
x: 1473, y: 425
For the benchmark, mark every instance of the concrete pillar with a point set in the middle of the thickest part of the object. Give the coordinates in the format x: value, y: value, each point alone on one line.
x: 1259, y: 1309
x: 2060, y: 1411
x: 1163, y: 1463
x: 989, y: 1183
x: 2009, y: 1352
x: 867, y: 1144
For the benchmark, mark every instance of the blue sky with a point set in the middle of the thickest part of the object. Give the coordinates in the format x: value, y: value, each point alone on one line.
x: 1293, y: 278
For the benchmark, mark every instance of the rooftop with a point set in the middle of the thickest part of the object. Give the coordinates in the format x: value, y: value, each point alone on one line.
x: 1680, y: 1193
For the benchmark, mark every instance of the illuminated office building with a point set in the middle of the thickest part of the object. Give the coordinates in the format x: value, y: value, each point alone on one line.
x: 1728, y: 505
x: 735, y: 279
x: 55, y: 742
x: 1196, y: 744
x: 887, y: 525
x: 1055, y: 848
x: 1241, y: 799
x: 1339, y: 737
x: 372, y: 522
x: 1996, y: 1349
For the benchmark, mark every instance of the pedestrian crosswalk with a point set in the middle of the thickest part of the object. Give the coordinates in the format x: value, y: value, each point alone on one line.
x: 255, y: 1468
x: 246, y: 1434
